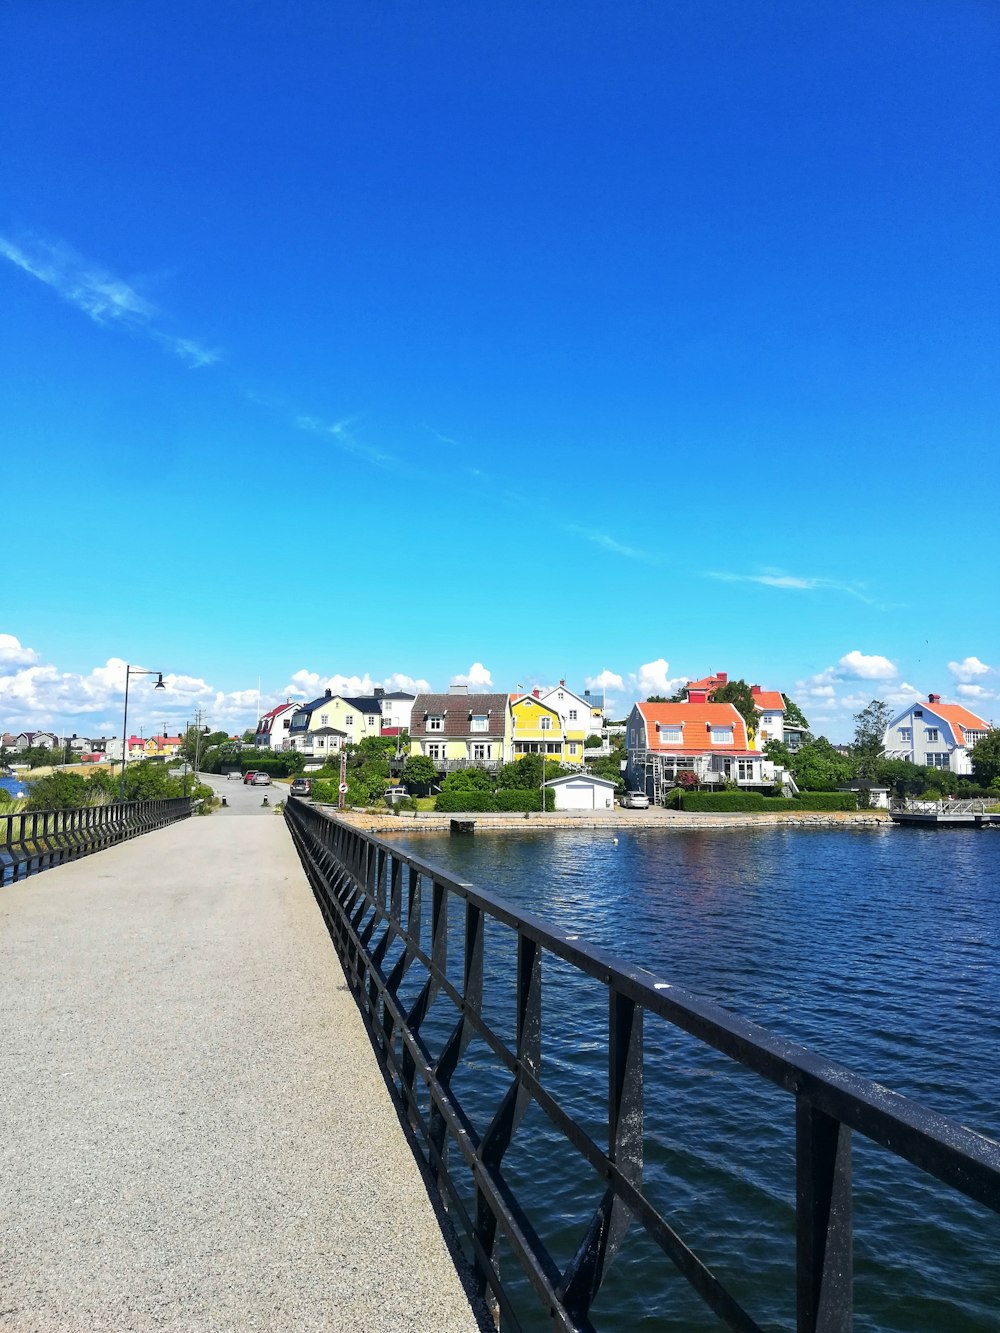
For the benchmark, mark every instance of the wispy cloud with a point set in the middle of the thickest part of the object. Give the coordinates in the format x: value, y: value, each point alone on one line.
x: 445, y: 439
x: 100, y: 295
x: 608, y: 543
x: 774, y: 578
x: 342, y: 435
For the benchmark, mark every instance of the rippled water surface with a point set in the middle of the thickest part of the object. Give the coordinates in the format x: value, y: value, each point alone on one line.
x: 877, y: 948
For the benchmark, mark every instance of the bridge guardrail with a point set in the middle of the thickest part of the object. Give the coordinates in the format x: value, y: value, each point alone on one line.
x: 36, y: 840
x: 388, y: 913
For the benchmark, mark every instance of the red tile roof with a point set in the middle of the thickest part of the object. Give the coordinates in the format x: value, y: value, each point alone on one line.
x: 771, y: 700
x: 958, y: 718
x: 698, y: 719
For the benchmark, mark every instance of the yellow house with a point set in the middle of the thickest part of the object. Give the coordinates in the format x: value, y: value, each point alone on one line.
x: 537, y: 728
x: 459, y: 729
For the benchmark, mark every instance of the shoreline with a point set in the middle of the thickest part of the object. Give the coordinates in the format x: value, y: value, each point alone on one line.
x: 655, y: 818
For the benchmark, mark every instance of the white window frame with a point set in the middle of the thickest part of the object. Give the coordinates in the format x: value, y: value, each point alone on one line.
x: 932, y: 735
x: 545, y: 724
x: 721, y: 735
x: 479, y: 722
x: 671, y: 735
x: 435, y: 722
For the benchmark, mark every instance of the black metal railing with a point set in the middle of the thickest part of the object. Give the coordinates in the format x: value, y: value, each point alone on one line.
x: 415, y: 942
x: 39, y: 839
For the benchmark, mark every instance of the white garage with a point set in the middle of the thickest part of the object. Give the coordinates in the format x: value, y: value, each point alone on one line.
x: 580, y: 791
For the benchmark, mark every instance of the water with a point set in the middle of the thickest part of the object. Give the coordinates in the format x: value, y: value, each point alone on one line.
x: 878, y: 948
x: 16, y: 786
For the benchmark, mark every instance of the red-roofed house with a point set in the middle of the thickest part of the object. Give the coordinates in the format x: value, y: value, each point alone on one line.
x: 272, y: 729
x: 708, y: 740
x: 771, y: 706
x: 935, y: 735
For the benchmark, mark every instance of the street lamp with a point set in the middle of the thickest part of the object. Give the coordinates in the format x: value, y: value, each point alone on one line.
x: 133, y: 671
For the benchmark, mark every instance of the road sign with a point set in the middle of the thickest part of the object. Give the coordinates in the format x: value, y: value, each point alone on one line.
x: 342, y: 788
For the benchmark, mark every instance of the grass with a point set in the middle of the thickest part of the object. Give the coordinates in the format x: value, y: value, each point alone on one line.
x: 425, y: 802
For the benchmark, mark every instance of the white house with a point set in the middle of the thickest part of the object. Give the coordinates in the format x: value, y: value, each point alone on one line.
x: 397, y: 709
x: 578, y: 712
x: 582, y: 791
x: 935, y: 735
x: 273, y: 727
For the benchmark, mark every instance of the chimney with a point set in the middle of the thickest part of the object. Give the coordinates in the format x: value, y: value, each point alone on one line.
x: 537, y: 694
x: 723, y: 677
x: 934, y: 698
x: 755, y: 689
x: 379, y: 692
x: 328, y: 694
x: 458, y: 689
x: 563, y: 684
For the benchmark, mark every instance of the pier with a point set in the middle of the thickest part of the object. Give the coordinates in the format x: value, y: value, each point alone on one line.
x: 196, y: 1134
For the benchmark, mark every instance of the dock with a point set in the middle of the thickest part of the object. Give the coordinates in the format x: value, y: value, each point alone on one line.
x: 196, y: 1131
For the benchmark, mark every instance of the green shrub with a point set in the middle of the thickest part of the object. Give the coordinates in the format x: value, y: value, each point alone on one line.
x: 732, y: 802
x: 522, y: 800
x: 454, y: 802
x: 827, y: 800
x: 58, y: 791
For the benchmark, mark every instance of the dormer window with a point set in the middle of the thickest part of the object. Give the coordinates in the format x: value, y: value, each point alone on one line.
x: 721, y: 735
x: 435, y: 722
x: 479, y: 722
x: 672, y: 734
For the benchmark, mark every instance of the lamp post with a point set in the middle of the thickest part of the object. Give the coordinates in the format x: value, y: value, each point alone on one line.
x: 133, y: 671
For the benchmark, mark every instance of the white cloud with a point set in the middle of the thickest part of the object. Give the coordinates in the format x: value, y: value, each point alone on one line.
x: 857, y: 666
x: 968, y: 669
x: 609, y: 543
x: 975, y: 693
x: 306, y: 685
x: 100, y: 295
x: 12, y: 652
x: 477, y: 676
x: 606, y: 680
x: 775, y: 578
x: 652, y: 678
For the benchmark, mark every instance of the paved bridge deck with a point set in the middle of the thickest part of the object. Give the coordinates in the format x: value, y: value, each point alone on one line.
x: 193, y: 1130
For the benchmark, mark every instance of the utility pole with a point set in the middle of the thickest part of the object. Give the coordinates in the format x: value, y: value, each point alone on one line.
x: 342, y: 793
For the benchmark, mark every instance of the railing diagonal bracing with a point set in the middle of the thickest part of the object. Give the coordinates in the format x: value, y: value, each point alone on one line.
x: 419, y: 951
x: 37, y: 840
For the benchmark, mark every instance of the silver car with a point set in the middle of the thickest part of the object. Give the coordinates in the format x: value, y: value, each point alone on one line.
x: 635, y: 800
x: 262, y: 779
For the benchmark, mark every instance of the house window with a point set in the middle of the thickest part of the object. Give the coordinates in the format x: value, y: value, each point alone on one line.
x: 546, y: 724
x: 435, y: 723
x: 973, y: 738
x: 906, y: 735
x: 349, y: 720
x: 480, y: 722
x: 937, y: 761
x: 744, y: 770
x: 671, y: 735
x: 480, y: 752
x: 435, y: 750
x: 323, y: 719
x: 573, y: 747
x: 931, y: 735
x: 560, y: 696
x: 722, y: 735
x: 572, y: 714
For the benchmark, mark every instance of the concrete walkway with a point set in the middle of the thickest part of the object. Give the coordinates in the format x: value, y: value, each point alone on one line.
x: 193, y: 1130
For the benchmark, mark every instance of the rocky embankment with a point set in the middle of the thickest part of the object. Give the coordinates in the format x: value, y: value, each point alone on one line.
x: 385, y: 823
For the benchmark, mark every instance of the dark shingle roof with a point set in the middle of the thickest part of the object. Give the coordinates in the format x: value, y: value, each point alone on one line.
x: 457, y: 711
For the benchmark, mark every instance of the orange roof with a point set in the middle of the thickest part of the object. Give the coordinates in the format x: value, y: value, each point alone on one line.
x: 957, y: 717
x: 706, y: 683
x: 772, y: 700
x: 698, y: 719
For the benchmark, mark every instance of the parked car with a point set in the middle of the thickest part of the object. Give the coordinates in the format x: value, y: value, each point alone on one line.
x: 635, y: 800
x: 249, y: 776
x: 262, y: 779
x: 234, y: 775
x: 301, y: 787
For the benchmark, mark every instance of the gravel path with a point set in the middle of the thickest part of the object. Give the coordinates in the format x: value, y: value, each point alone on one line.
x: 195, y: 1134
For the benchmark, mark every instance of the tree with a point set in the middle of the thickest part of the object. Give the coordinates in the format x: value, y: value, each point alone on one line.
x: 739, y: 694
x: 869, y: 729
x: 58, y: 791
x: 819, y: 767
x: 659, y: 699
x: 249, y: 737
x: 795, y: 717
x: 468, y: 779
x: 419, y: 771
x: 986, y: 758
x: 521, y: 773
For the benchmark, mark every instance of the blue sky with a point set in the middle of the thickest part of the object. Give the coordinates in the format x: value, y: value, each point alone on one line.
x: 620, y: 344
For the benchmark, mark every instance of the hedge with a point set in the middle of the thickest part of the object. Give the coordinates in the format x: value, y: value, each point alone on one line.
x: 512, y: 800
x: 729, y: 802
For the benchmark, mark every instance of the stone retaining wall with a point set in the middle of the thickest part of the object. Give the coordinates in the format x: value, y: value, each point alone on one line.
x: 385, y: 824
